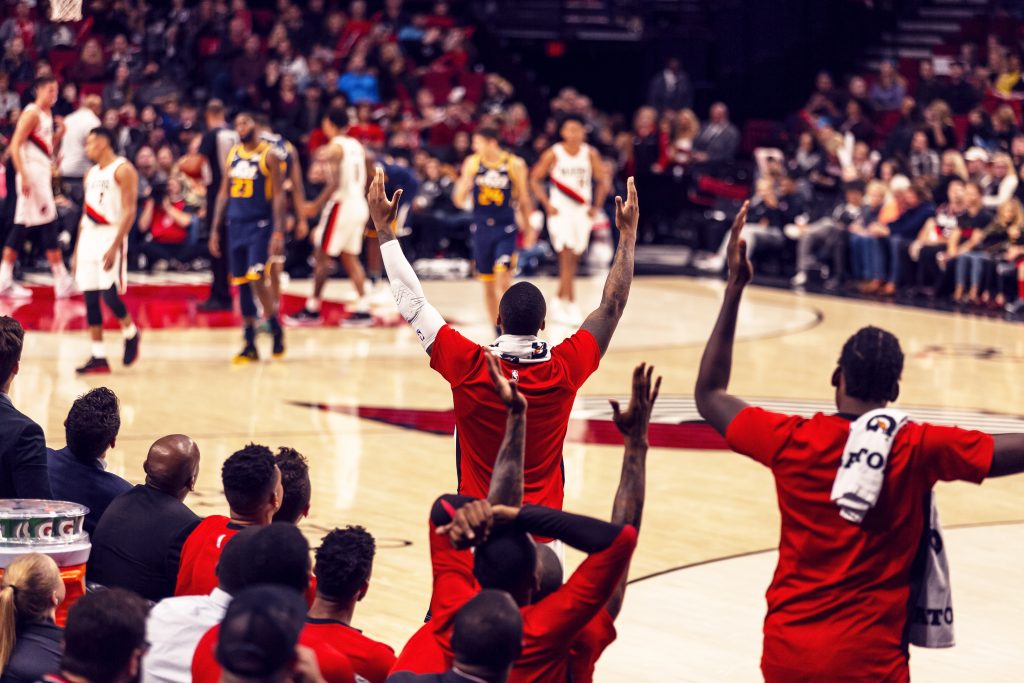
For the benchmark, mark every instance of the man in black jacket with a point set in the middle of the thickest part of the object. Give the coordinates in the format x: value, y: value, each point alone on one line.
x: 23, y: 472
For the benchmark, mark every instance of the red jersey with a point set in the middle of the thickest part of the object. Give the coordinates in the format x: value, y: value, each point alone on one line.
x: 838, y: 601
x: 370, y: 659
x: 197, y: 571
x: 334, y: 666
x: 550, y: 388
x: 590, y: 645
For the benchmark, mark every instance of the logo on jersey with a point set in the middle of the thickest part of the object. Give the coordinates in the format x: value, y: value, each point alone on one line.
x: 494, y: 179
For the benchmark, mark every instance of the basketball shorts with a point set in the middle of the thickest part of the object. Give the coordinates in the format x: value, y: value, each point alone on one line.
x: 39, y: 207
x: 570, y: 227
x: 94, y: 241
x: 249, y: 252
x: 342, y: 226
x: 494, y: 249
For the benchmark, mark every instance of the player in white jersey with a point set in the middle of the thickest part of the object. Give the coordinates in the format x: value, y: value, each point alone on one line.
x: 343, y: 216
x: 111, y: 190
x: 32, y: 155
x: 578, y: 188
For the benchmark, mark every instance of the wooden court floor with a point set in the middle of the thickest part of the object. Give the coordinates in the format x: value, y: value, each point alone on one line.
x: 365, y: 408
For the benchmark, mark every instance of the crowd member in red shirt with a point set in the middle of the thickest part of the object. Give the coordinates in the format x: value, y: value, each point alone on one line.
x: 344, y: 562
x: 838, y: 604
x: 487, y: 639
x: 252, y: 486
x: 548, y: 377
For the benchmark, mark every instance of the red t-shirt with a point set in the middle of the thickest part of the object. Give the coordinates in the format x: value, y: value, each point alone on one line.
x: 197, y: 571
x: 550, y: 388
x: 589, y: 645
x: 838, y: 601
x: 370, y: 659
x: 334, y: 666
x: 550, y: 626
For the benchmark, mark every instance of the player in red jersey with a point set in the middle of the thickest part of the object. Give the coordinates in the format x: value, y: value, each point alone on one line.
x: 344, y: 562
x: 838, y: 606
x: 252, y: 486
x: 548, y: 377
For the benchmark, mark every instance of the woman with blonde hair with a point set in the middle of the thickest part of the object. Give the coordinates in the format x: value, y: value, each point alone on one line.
x: 30, y: 640
x: 938, y: 118
x: 982, y: 249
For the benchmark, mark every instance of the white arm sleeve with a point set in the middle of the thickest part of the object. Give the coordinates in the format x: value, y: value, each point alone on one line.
x: 408, y: 293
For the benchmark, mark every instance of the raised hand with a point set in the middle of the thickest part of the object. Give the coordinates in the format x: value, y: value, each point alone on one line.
x: 741, y: 270
x: 634, y: 420
x: 471, y: 525
x: 508, y: 391
x: 383, y: 212
x: 627, y: 214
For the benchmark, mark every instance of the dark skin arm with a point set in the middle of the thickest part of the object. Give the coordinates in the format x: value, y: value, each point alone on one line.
x: 715, y: 404
x: 605, y: 318
x: 219, y: 208
x: 507, y: 475
x: 1008, y: 457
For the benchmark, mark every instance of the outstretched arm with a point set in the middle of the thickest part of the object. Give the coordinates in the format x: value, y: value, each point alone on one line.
x: 507, y: 475
x: 714, y: 402
x: 605, y: 318
x: 1008, y: 457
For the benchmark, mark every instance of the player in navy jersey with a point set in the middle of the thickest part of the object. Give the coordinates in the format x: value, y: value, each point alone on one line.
x: 251, y: 197
x: 497, y: 181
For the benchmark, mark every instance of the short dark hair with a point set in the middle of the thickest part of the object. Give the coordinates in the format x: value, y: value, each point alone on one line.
x: 855, y: 186
x: 572, y: 116
x: 215, y: 107
x: 488, y: 631
x: 259, y: 632
x: 872, y: 363
x: 277, y: 554
x: 92, y: 423
x: 231, y: 565
x: 504, y: 559
x: 344, y: 561
x: 103, y: 631
x: 104, y: 133
x: 12, y: 339
x: 295, y: 482
x: 337, y: 116
x: 43, y: 80
x: 522, y: 309
x: 487, y: 132
x: 248, y: 478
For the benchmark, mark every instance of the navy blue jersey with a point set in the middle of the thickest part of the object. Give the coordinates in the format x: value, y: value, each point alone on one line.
x: 492, y: 191
x: 249, y: 187
x: 282, y: 150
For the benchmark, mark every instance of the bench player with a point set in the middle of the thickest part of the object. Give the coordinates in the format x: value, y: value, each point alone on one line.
x: 99, y: 264
x: 252, y: 198
x: 497, y: 181
x: 571, y: 168
x: 32, y: 155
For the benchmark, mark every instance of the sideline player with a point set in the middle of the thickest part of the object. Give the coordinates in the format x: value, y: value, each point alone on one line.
x: 572, y: 168
x: 252, y: 197
x: 497, y: 181
x: 840, y: 603
x: 32, y: 155
x: 342, y: 221
x: 99, y: 264
x: 548, y: 377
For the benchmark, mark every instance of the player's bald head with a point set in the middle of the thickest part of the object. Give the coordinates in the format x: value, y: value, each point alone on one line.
x: 550, y: 571
x: 171, y: 464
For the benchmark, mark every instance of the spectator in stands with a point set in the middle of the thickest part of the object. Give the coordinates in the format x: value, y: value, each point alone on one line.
x: 976, y: 161
x: 961, y: 95
x: 646, y: 140
x: 1011, y: 263
x: 979, y: 130
x: 91, y: 66
x: 73, y: 162
x: 916, y: 208
x: 1004, y: 127
x: 976, y: 255
x: 21, y: 26
x: 719, y: 139
x: 828, y: 236
x: 888, y: 91
x: 137, y: 544
x: 78, y: 471
x: 930, y: 248
x: 358, y: 82
x: 9, y: 100
x: 970, y: 224
x: 1008, y: 81
x: 928, y: 87
x: 857, y: 89
x: 867, y: 258
x: 104, y: 640
x: 30, y: 640
x: 120, y: 90
x: 670, y: 88
x: 923, y: 161
x: 897, y: 144
x: 938, y: 120
x: 860, y: 165
x: 295, y: 484
x: 166, y: 228
x: 15, y: 62
x: 856, y: 123
x: 1003, y: 184
x: 951, y: 167
x: 23, y: 471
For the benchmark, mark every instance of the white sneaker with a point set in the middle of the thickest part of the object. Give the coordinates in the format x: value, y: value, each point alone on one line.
x: 710, y: 264
x: 573, y: 315
x: 556, y: 310
x: 799, y: 280
x: 12, y: 290
x: 65, y: 288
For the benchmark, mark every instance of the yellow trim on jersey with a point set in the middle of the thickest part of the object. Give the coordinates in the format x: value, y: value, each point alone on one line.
x: 502, y: 160
x: 264, y: 167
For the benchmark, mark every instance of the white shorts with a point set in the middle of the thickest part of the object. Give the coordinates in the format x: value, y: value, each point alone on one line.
x: 570, y: 228
x: 341, y: 227
x: 38, y: 208
x: 94, y: 241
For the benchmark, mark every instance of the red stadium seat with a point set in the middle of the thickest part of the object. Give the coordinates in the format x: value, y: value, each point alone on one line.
x: 960, y: 125
x: 722, y: 189
x: 886, y: 121
x: 759, y: 133
x: 90, y: 89
x: 473, y: 82
x: 61, y: 59
x: 208, y: 46
x: 439, y: 83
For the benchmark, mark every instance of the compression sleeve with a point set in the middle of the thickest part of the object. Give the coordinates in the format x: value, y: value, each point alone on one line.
x: 412, y: 302
x: 583, y: 533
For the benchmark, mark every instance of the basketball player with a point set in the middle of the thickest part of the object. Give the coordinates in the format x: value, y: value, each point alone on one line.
x: 548, y: 377
x: 32, y: 156
x: 840, y: 602
x: 572, y: 168
x: 497, y: 181
x: 252, y: 197
x: 343, y: 217
x: 99, y: 263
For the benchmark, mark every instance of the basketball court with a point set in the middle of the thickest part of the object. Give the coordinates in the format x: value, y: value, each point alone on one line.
x: 375, y: 423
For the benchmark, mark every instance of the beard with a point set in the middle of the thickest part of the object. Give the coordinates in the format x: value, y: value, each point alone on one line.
x: 248, y: 137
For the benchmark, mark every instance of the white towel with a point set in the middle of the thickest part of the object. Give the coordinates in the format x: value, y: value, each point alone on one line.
x: 521, y: 348
x: 931, y: 616
x: 862, y: 467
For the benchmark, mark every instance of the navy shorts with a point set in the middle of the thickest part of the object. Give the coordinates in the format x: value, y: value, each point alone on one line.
x: 494, y: 248
x: 250, y: 249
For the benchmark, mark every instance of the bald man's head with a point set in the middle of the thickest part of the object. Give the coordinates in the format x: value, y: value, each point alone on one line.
x: 550, y: 572
x: 172, y: 465
x: 93, y: 102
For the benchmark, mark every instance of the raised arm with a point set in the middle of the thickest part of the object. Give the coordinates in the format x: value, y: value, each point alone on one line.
x: 1008, y: 457
x: 507, y: 475
x: 714, y: 402
x: 605, y: 318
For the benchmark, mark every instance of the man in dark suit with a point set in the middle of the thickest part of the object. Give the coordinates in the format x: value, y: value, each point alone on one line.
x: 670, y: 88
x: 137, y: 544
x: 719, y: 139
x: 22, y: 446
x: 78, y: 471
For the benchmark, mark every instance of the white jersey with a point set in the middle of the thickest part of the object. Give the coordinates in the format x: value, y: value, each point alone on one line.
x: 572, y: 177
x: 101, y: 218
x: 351, y: 171
x: 38, y: 148
x: 103, y: 195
